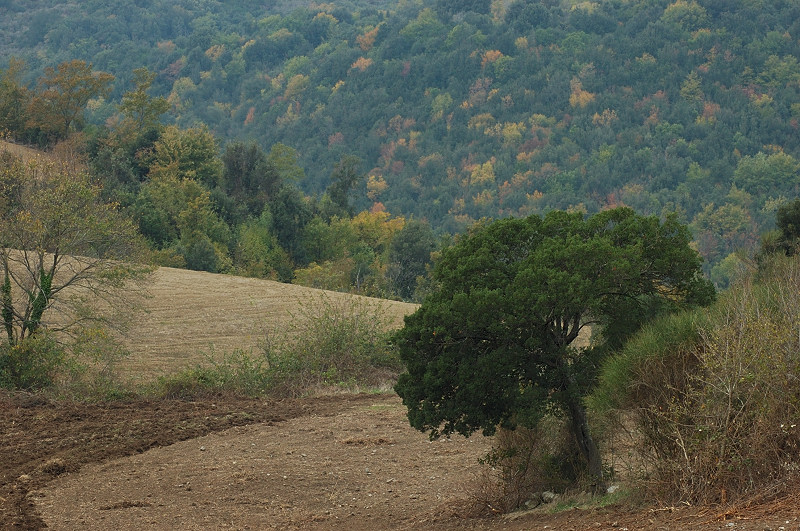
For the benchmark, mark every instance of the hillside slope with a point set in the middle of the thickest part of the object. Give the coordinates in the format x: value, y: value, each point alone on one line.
x: 467, y: 110
x: 191, y: 314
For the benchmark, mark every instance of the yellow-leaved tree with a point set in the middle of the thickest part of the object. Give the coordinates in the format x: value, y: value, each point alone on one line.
x: 66, y: 256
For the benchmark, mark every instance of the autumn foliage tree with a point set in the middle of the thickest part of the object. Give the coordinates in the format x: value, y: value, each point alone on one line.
x: 62, y: 248
x: 62, y: 95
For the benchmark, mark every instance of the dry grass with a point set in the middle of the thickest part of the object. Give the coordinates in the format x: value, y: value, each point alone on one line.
x: 25, y: 153
x: 191, y: 314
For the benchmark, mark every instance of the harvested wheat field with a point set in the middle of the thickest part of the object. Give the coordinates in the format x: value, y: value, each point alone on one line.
x: 189, y: 315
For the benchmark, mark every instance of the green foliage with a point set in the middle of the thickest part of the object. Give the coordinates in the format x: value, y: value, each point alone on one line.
x: 660, y: 107
x: 143, y: 111
x: 90, y: 372
x: 258, y: 253
x: 13, y: 98
x: 250, y: 180
x: 762, y: 173
x: 39, y: 300
x: 787, y: 220
x: 239, y: 372
x: 337, y: 342
x: 344, y: 179
x: 31, y: 364
x: 652, y: 366
x: 409, y: 255
x: 494, y: 345
x: 188, y: 154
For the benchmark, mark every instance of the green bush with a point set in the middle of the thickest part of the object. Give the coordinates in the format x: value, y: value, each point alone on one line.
x: 82, y: 367
x: 342, y: 342
x: 239, y: 373
x: 31, y: 364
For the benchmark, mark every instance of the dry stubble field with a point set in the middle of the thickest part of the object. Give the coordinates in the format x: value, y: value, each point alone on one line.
x: 189, y: 315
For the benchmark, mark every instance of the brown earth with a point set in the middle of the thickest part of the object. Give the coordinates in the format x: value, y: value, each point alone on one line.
x: 343, y: 461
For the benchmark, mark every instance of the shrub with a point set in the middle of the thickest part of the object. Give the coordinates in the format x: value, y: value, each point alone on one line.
x: 341, y: 342
x: 239, y: 373
x: 31, y: 364
x: 81, y: 368
x: 89, y: 372
x: 714, y: 397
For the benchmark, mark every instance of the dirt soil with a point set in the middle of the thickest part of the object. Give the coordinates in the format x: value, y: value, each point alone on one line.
x: 343, y: 461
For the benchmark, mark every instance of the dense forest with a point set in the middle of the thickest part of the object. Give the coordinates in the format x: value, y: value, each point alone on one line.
x: 325, y: 130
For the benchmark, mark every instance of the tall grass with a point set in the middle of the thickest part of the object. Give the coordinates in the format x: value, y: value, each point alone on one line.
x: 337, y: 343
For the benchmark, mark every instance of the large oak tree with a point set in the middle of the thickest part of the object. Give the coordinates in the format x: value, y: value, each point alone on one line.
x: 495, y: 344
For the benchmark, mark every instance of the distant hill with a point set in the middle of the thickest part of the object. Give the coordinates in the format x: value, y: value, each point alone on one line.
x: 462, y: 110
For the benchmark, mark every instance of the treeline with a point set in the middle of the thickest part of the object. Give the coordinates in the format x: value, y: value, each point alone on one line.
x: 461, y: 110
x: 232, y: 209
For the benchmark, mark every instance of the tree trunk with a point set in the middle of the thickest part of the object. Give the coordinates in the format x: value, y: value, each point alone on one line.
x: 580, y: 429
x: 579, y: 426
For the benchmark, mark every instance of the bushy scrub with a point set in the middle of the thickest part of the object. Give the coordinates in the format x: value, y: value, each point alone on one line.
x: 239, y: 372
x: 715, y: 397
x: 337, y: 342
x: 31, y: 364
x: 90, y: 371
x: 80, y: 367
x: 341, y: 342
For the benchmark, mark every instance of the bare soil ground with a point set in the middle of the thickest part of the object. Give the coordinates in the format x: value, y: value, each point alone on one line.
x: 343, y: 461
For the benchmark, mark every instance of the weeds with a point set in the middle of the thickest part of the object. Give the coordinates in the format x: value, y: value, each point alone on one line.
x: 342, y: 343
x: 715, y: 399
x: 82, y: 368
x: 239, y: 372
x: 335, y: 343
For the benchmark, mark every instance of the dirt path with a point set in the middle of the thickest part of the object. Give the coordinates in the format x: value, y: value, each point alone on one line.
x: 337, y: 462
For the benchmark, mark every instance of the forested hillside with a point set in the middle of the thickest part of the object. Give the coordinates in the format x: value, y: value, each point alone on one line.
x: 462, y: 110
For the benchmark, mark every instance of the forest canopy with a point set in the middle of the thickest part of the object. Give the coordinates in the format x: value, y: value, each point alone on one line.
x: 459, y: 111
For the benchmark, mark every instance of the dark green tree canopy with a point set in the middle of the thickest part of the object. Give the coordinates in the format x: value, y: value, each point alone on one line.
x: 409, y: 254
x: 494, y: 345
x: 787, y: 220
